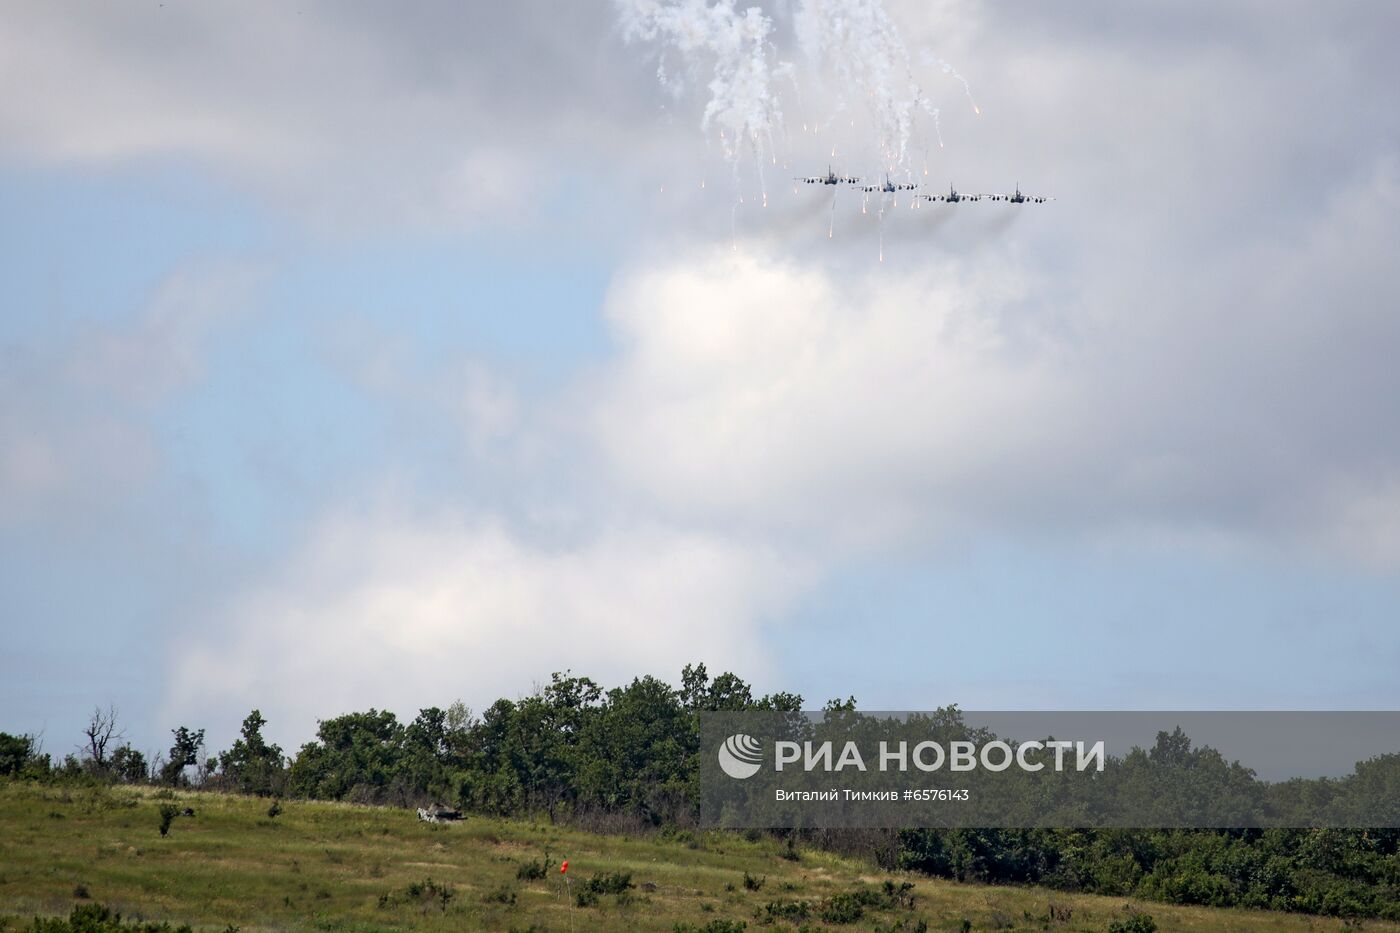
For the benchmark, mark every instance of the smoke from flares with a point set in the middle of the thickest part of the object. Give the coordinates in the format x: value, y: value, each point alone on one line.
x: 852, y: 48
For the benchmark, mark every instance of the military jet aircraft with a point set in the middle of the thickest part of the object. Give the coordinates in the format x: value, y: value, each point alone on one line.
x: 889, y: 187
x: 830, y: 178
x: 1019, y: 198
x: 952, y: 197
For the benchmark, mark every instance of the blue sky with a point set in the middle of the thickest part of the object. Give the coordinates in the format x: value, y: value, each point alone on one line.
x: 349, y: 359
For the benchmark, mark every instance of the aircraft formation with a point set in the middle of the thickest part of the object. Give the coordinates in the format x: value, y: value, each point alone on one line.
x: 952, y: 197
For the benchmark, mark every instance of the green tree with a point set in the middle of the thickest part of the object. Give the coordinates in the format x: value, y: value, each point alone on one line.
x: 355, y: 756
x: 128, y: 765
x: 184, y: 751
x: 252, y: 765
x: 17, y: 754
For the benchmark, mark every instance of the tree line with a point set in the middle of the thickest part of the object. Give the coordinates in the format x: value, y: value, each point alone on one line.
x: 626, y: 759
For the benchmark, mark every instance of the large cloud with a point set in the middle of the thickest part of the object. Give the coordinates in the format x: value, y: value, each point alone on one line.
x: 346, y: 113
x: 762, y: 391
x: 1196, y: 341
x: 402, y: 609
x: 771, y: 393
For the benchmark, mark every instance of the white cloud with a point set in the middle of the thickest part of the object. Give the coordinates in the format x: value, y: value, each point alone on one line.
x: 403, y: 610
x: 930, y: 397
x: 765, y: 391
x: 346, y: 114
x: 1197, y: 339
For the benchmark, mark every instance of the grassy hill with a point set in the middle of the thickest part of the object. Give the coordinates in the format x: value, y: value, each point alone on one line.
x: 328, y: 866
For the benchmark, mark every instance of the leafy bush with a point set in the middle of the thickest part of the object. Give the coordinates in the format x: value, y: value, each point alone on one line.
x: 426, y: 892
x: 791, y: 911
x: 614, y: 883
x: 95, y: 918
x: 168, y: 812
x: 849, y: 906
x: 1135, y: 922
x: 505, y: 894
x: 898, y: 895
x: 533, y: 870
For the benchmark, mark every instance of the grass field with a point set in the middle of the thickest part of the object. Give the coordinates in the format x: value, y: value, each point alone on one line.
x: 326, y: 866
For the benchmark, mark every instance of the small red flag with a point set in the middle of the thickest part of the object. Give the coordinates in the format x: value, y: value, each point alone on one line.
x: 565, y: 867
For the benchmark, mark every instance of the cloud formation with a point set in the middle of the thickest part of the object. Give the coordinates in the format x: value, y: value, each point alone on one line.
x: 1194, y: 343
x: 400, y: 610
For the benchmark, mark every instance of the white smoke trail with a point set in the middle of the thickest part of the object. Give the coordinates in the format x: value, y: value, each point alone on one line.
x: 851, y: 45
x: 859, y: 44
x: 735, y: 46
x: 948, y: 69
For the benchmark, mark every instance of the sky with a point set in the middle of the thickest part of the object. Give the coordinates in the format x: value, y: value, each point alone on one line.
x: 355, y: 354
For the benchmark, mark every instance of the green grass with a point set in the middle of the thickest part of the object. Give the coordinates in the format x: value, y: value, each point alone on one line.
x: 327, y: 866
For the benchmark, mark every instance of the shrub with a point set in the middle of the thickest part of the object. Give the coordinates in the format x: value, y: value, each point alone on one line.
x: 505, y: 894
x: 753, y: 884
x: 532, y: 870
x: 843, y: 908
x: 791, y: 911
x: 95, y: 918
x: 898, y: 895
x: 714, y: 926
x: 168, y: 812
x: 1135, y: 922
x: 614, y: 883
x: 617, y: 882
x: 424, y: 892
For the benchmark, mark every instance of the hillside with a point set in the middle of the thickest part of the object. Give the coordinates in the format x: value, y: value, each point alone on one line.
x: 329, y: 866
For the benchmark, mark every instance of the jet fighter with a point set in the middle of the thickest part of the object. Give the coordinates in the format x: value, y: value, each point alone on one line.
x: 1019, y: 198
x: 830, y: 178
x: 952, y: 197
x: 889, y: 187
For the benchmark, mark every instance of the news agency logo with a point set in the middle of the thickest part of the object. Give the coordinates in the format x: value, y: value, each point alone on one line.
x: 740, y: 756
